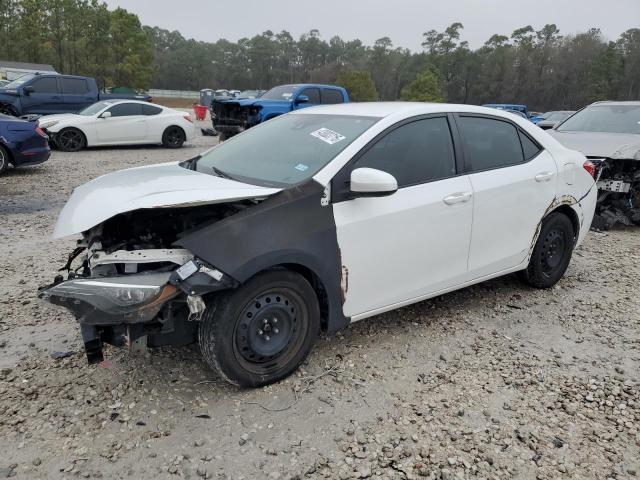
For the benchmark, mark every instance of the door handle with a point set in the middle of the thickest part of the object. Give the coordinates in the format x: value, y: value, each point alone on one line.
x: 544, y: 176
x: 460, y: 197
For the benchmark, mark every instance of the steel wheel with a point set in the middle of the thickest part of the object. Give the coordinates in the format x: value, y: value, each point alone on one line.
x: 173, y: 137
x: 70, y: 140
x: 553, y: 251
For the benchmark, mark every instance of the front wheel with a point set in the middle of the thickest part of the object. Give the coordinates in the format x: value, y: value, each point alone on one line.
x: 261, y: 332
x: 70, y: 140
x: 552, y: 252
x: 173, y: 137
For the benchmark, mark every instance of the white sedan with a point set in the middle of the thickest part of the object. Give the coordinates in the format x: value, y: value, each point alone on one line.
x: 119, y: 122
x: 314, y: 220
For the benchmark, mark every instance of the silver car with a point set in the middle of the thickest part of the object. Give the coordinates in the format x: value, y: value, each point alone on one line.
x: 608, y: 133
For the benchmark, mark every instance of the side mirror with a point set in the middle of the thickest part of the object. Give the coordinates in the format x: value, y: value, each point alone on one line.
x: 302, y: 99
x: 28, y: 90
x: 105, y: 115
x: 370, y: 182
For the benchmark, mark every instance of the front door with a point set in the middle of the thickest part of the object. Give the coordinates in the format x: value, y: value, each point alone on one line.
x: 415, y: 242
x: 44, y: 98
x: 126, y: 125
x: 514, y: 183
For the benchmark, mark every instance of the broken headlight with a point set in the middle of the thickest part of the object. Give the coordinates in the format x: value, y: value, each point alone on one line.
x: 112, y: 295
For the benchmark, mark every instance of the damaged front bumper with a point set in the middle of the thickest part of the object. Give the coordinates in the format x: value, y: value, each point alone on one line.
x: 122, y: 310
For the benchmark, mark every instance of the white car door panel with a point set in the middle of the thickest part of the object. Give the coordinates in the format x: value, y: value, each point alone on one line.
x: 405, y: 245
x: 415, y: 241
x: 509, y: 201
x: 126, y: 125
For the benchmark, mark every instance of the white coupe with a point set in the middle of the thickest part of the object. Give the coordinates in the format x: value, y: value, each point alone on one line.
x: 119, y: 122
x: 314, y: 220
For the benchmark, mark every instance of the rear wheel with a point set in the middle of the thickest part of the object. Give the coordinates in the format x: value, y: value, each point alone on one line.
x: 173, y: 137
x: 261, y: 332
x: 552, y: 252
x: 4, y: 159
x: 70, y: 140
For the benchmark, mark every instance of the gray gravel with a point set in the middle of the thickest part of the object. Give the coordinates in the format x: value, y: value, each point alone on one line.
x: 495, y: 381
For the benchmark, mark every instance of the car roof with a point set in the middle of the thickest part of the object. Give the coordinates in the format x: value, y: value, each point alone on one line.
x: 612, y: 102
x: 116, y: 101
x: 385, y: 109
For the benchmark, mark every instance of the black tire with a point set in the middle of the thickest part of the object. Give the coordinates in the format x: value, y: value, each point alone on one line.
x: 261, y: 332
x: 552, y: 252
x: 4, y: 159
x: 70, y: 140
x: 173, y: 137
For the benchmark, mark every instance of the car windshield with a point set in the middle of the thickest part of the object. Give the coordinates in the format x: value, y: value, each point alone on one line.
x: 284, y: 151
x: 618, y: 118
x: 284, y: 92
x: 94, y: 109
x: 557, y: 116
x: 19, y: 81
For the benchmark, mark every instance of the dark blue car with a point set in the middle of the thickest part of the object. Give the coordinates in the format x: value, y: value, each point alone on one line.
x: 21, y: 143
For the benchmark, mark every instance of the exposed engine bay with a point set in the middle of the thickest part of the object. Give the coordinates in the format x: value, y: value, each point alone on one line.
x: 129, y: 286
x: 618, y: 192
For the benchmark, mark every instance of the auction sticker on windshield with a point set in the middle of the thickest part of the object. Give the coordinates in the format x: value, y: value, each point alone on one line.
x: 328, y: 136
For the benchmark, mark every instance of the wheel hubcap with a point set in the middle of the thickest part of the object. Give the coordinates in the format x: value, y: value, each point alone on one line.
x: 174, y: 136
x: 266, y: 327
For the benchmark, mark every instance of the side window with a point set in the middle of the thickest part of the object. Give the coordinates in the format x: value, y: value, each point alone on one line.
x: 489, y: 143
x: 45, y: 85
x: 331, y: 96
x: 126, y: 109
x: 417, y: 152
x: 74, y: 86
x: 150, y: 110
x: 313, y: 94
x: 530, y: 148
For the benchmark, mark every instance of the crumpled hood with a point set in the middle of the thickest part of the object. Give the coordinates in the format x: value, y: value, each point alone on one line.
x: 617, y: 146
x: 153, y: 186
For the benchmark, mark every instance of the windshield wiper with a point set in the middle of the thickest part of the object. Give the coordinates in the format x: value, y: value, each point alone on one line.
x: 221, y: 174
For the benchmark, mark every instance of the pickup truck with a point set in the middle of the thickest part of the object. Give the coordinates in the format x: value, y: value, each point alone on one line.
x: 45, y: 94
x: 232, y: 116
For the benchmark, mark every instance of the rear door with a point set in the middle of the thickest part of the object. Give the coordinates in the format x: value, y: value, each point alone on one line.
x: 514, y: 182
x: 127, y: 124
x: 156, y: 122
x: 77, y: 94
x: 397, y: 248
x: 45, y: 98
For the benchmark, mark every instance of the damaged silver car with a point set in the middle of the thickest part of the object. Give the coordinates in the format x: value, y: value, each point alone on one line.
x: 608, y: 133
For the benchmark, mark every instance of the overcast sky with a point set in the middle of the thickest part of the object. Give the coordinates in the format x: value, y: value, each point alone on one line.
x: 402, y: 20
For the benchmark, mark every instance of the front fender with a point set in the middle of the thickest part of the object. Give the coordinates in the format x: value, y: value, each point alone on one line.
x: 291, y: 227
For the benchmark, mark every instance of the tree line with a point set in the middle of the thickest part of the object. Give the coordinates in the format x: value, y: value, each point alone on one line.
x: 541, y: 68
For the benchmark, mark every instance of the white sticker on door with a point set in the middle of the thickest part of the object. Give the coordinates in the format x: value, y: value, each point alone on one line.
x: 328, y: 136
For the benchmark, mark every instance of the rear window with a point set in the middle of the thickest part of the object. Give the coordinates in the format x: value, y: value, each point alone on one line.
x: 74, y: 86
x: 489, y: 143
x: 331, y: 96
x: 150, y: 110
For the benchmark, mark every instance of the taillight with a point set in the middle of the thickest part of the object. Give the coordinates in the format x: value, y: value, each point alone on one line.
x: 188, y: 118
x: 41, y: 132
x: 590, y: 167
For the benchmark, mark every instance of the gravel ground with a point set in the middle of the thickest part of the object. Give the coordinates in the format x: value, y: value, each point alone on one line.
x: 495, y: 381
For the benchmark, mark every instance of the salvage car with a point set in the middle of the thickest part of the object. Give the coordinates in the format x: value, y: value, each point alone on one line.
x: 551, y: 119
x: 608, y: 133
x: 315, y: 220
x: 232, y: 116
x: 119, y: 122
x: 22, y: 143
